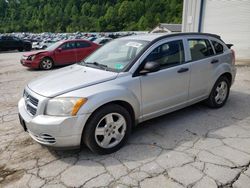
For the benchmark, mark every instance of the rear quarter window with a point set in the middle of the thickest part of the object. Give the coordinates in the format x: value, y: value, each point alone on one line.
x: 81, y: 44
x: 217, y: 47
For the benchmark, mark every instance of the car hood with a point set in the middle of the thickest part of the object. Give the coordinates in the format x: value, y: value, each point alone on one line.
x: 68, y: 79
x: 34, y: 52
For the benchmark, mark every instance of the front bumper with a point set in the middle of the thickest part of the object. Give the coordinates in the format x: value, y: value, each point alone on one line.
x: 28, y: 63
x: 51, y: 130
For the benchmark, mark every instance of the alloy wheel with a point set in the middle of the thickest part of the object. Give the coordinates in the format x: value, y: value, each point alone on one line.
x: 46, y: 64
x: 221, y: 92
x: 110, y: 130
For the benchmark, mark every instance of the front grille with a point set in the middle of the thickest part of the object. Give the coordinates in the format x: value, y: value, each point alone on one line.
x: 31, y: 103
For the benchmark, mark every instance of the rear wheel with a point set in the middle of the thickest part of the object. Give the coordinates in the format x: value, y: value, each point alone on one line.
x: 219, y: 93
x: 108, y: 129
x: 20, y: 49
x: 46, y: 63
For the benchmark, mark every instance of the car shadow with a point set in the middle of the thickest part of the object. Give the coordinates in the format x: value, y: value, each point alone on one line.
x: 168, y: 132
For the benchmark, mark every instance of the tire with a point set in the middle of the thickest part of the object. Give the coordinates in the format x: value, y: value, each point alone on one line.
x: 28, y: 48
x: 219, y: 94
x: 46, y: 63
x: 111, y: 135
x: 20, y: 49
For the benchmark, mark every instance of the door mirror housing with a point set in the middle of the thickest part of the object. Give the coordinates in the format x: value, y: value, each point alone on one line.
x: 150, y: 66
x: 59, y: 49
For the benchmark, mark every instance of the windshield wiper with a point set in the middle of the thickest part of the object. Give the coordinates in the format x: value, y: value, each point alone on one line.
x: 96, y: 64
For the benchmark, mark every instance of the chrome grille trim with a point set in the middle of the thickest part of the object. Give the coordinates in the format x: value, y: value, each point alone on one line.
x: 31, y: 103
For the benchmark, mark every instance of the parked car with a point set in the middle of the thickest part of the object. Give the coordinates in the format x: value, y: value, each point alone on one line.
x: 60, y: 53
x: 35, y: 45
x: 14, y: 43
x: 102, y: 40
x: 45, y: 44
x: 125, y: 82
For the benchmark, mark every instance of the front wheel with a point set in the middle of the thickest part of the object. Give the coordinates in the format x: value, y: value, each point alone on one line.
x: 108, y: 129
x: 219, y: 93
x: 46, y: 64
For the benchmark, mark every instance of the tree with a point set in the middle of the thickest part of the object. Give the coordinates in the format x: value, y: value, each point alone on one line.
x: 86, y: 15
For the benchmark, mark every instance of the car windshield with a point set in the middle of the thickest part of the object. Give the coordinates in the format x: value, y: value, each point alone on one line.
x: 115, y: 55
x: 54, y: 46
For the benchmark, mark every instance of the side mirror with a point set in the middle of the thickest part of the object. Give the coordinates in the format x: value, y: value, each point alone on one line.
x: 59, y: 49
x: 150, y: 66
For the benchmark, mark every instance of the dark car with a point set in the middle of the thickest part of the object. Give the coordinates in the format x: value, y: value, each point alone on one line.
x: 60, y: 53
x: 14, y: 43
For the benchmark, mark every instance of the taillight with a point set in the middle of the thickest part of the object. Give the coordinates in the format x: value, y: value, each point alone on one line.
x: 233, y: 54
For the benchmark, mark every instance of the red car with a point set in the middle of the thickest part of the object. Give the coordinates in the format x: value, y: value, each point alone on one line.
x: 61, y: 53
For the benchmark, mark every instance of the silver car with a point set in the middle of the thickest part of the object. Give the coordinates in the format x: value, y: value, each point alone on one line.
x: 127, y: 81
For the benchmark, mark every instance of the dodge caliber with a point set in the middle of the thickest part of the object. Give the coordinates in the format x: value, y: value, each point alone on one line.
x: 129, y: 80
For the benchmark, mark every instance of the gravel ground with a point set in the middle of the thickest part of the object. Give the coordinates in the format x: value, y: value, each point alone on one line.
x: 193, y: 147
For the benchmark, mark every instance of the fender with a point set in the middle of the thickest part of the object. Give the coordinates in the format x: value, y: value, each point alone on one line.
x: 101, y: 94
x: 221, y: 69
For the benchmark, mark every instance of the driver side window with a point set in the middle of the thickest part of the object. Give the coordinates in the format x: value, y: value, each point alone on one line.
x: 68, y: 46
x: 168, y: 54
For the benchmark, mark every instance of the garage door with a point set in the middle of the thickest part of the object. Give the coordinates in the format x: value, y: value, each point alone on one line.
x: 231, y: 20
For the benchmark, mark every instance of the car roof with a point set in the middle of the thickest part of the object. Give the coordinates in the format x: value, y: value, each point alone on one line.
x: 155, y: 36
x: 74, y: 40
x: 146, y: 37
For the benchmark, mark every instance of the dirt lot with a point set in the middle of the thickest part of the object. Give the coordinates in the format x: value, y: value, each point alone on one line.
x: 194, y: 147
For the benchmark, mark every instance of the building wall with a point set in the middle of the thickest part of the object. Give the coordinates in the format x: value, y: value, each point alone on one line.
x: 228, y: 18
x: 190, y: 15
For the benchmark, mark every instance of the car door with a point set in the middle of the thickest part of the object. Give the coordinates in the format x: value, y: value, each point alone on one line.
x: 16, y: 43
x: 4, y: 43
x: 202, y: 64
x: 166, y: 89
x: 83, y: 49
x: 66, y: 53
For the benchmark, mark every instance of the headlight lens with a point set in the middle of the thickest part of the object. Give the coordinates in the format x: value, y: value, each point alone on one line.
x: 32, y: 57
x: 64, y: 106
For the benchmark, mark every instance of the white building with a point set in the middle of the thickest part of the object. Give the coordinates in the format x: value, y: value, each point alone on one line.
x: 228, y: 18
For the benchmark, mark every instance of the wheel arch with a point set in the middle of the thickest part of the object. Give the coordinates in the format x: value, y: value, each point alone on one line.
x: 53, y: 62
x: 228, y: 75
x: 122, y: 103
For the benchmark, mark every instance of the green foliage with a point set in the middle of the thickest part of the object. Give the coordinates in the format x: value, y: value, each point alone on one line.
x: 86, y: 15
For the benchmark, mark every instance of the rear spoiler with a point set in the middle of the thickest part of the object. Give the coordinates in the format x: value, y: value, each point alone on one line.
x: 229, y: 45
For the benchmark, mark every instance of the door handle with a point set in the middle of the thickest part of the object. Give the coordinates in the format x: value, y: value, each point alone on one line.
x: 181, y: 70
x: 214, y: 61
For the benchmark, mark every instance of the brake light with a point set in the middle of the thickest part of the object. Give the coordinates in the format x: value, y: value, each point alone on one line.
x: 233, y: 54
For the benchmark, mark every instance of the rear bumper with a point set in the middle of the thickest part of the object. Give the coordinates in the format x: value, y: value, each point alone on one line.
x: 234, y: 71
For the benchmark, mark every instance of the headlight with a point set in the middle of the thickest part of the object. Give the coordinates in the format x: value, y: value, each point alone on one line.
x: 31, y: 57
x: 64, y: 106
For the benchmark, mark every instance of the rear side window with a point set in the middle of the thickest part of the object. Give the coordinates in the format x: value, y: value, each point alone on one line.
x: 200, y: 49
x: 81, y: 44
x: 217, y: 47
x: 168, y: 54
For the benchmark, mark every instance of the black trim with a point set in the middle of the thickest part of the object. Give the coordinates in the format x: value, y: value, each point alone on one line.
x: 200, y: 15
x: 181, y: 70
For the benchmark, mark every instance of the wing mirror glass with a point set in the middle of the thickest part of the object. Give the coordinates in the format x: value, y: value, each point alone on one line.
x: 150, y: 66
